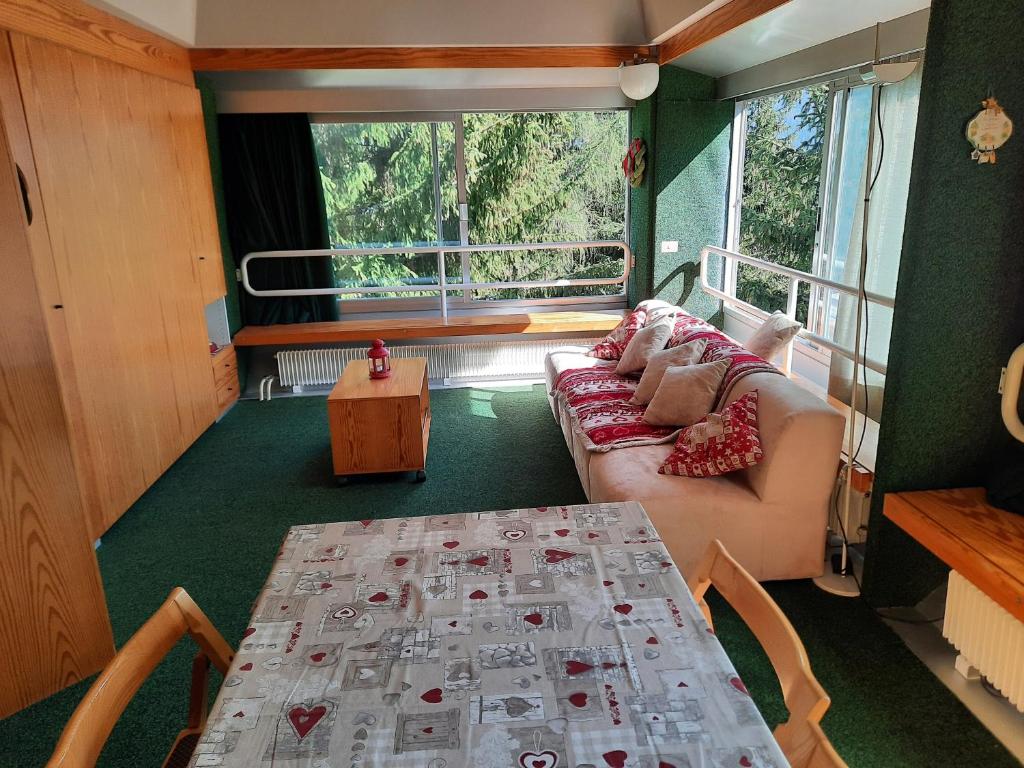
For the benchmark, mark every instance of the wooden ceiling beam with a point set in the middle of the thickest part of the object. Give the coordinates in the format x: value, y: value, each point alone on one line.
x: 725, y: 19
x: 478, y: 57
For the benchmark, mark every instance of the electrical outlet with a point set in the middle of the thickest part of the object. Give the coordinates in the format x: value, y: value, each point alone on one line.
x: 669, y: 246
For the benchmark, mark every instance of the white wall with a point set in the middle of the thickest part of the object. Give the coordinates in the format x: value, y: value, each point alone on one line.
x: 223, y: 23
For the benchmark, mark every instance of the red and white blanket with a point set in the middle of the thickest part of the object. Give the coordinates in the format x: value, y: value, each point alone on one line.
x: 598, y: 398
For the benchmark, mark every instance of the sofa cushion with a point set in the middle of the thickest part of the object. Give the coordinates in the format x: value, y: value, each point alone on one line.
x: 688, y: 354
x: 614, y: 344
x: 772, y: 335
x: 632, y: 473
x: 687, y: 394
x: 720, y: 443
x: 567, y: 358
x: 647, y: 341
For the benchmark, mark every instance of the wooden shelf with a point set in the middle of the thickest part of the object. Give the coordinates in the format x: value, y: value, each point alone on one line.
x: 981, y: 542
x: 420, y: 328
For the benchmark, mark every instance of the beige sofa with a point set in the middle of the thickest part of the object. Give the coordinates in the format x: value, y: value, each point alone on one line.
x: 771, y: 517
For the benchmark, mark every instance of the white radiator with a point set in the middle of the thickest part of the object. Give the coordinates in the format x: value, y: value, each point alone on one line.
x: 478, y: 360
x: 987, y: 636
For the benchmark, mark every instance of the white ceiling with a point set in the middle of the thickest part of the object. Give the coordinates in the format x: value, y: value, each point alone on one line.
x: 792, y: 27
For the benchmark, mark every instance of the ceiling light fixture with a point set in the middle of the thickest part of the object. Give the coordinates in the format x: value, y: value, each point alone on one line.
x: 638, y: 79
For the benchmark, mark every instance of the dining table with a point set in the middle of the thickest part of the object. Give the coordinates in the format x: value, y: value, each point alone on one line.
x: 550, y: 637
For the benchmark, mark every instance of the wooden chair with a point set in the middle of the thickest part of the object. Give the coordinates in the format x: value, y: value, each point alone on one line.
x: 89, y: 727
x: 800, y: 738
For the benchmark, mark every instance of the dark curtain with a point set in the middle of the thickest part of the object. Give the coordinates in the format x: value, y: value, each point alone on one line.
x: 274, y: 201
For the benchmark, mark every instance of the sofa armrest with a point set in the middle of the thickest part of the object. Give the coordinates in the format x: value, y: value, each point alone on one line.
x: 802, y: 437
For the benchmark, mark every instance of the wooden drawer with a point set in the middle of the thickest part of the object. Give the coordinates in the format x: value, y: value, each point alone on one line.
x: 225, y: 377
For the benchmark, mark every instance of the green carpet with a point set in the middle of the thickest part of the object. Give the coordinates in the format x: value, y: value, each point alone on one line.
x: 213, y: 524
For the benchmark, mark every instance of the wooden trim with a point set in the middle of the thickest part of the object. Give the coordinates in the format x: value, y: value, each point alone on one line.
x: 75, y: 25
x: 982, y: 543
x: 479, y: 57
x: 715, y: 24
x: 422, y: 328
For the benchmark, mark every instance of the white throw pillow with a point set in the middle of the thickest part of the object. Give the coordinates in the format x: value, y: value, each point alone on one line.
x: 774, y: 334
x: 645, y: 342
x: 685, y: 354
x: 686, y: 394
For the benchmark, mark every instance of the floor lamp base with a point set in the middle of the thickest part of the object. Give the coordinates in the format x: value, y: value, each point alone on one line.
x: 836, y: 584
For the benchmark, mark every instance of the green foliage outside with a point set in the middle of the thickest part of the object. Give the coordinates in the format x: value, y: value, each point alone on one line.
x: 782, y: 167
x: 530, y: 177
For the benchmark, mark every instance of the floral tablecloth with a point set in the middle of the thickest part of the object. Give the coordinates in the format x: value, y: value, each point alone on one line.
x: 557, y: 637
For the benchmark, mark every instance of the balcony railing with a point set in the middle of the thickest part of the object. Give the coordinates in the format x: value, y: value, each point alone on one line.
x: 442, y: 287
x: 796, y: 277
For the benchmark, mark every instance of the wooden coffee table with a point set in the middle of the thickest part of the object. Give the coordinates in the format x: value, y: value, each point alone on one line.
x: 380, y: 425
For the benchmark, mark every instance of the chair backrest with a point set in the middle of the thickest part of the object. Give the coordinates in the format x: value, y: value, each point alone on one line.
x: 805, y: 699
x: 89, y: 727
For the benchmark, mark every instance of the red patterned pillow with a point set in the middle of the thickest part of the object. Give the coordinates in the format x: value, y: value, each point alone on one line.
x: 614, y: 344
x: 718, y: 443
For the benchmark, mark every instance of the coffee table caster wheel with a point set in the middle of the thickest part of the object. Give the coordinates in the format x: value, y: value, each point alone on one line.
x: 341, y: 480
x: 421, y: 475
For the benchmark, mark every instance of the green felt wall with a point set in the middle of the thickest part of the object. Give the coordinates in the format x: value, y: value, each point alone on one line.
x: 960, y: 296
x: 641, y: 205
x: 685, y: 195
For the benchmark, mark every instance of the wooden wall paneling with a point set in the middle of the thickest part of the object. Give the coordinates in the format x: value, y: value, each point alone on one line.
x: 54, y: 628
x: 81, y: 27
x: 106, y: 152
x: 226, y: 59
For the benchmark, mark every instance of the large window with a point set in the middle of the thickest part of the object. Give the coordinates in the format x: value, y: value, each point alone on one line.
x: 477, y: 178
x: 804, y: 165
x: 783, y: 141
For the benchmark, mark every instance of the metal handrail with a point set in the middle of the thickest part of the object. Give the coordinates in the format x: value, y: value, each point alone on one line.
x: 796, y: 277
x: 1011, y: 394
x: 442, y: 286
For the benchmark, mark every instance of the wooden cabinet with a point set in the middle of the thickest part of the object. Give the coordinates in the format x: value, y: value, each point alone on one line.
x: 128, y: 255
x: 110, y: 252
x: 54, y: 628
x: 225, y: 376
x: 380, y: 425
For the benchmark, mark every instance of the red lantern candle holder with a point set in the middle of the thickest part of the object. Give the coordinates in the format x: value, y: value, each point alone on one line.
x: 379, y: 359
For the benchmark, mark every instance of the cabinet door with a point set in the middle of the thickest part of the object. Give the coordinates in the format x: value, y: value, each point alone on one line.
x: 194, y: 175
x: 53, y: 625
x: 112, y: 159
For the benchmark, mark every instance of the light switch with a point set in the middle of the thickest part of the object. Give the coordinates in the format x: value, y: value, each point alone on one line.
x: 669, y: 246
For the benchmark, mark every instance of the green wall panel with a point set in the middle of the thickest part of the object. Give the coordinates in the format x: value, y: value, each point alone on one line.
x: 960, y: 296
x: 689, y: 188
x: 641, y: 205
